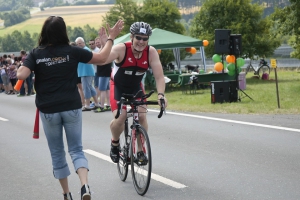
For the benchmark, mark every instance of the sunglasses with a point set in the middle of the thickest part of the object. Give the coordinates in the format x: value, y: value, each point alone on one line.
x: 140, y: 38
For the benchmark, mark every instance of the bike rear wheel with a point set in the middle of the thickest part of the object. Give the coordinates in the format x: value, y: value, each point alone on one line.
x: 123, y: 163
x: 264, y: 69
x: 141, y: 170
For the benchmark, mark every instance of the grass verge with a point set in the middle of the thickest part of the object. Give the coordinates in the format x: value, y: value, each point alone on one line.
x: 263, y: 92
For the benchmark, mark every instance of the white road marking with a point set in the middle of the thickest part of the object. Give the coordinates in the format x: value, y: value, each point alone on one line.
x: 153, y: 176
x: 2, y: 119
x: 232, y: 121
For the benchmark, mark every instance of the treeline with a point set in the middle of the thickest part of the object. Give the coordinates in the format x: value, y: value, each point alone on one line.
x: 18, y: 40
x: 10, y: 5
x: 15, y: 17
x: 53, y: 3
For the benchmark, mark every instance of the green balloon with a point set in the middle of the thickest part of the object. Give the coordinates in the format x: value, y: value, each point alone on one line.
x: 231, y: 67
x: 240, y: 62
x: 231, y: 73
x: 216, y: 58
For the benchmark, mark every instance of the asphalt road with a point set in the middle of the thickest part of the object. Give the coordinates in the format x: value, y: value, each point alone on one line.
x: 195, y: 156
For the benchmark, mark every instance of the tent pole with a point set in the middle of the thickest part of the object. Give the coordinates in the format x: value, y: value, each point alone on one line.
x: 203, y: 57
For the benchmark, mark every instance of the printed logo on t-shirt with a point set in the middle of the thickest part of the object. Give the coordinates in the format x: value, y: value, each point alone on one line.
x: 144, y: 63
x: 53, y: 61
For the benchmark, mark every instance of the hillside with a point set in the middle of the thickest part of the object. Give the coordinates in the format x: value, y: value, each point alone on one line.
x: 73, y: 16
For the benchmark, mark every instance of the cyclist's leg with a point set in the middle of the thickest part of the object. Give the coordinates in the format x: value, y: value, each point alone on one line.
x: 116, y: 126
x: 143, y: 121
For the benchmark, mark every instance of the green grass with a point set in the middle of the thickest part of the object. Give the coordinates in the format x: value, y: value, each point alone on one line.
x: 34, y: 25
x: 262, y: 91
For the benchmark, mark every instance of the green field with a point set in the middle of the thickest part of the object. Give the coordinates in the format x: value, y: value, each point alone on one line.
x: 74, y: 16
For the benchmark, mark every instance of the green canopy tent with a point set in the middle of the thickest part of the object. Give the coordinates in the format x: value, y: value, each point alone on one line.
x: 162, y: 39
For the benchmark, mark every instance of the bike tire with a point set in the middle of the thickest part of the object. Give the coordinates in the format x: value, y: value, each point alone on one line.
x: 141, y: 173
x: 123, y: 163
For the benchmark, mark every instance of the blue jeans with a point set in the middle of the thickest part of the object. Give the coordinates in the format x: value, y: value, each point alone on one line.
x: 53, y: 124
x: 96, y: 80
x: 103, y: 83
x: 87, y: 86
x: 29, y: 85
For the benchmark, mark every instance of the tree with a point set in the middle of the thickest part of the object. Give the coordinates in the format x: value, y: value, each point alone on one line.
x: 89, y: 33
x: 241, y: 17
x: 288, y: 20
x: 165, y: 15
x: 9, y: 44
x: 76, y: 32
x: 126, y: 10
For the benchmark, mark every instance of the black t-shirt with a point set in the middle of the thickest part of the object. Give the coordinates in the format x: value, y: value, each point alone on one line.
x: 104, y: 70
x: 55, y: 69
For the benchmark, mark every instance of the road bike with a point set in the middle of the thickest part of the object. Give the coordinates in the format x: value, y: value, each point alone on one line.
x: 134, y: 140
x: 263, y: 67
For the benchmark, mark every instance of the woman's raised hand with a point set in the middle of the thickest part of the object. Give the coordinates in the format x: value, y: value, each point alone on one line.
x: 116, y: 29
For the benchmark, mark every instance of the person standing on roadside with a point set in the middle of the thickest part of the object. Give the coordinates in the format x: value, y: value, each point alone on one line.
x: 55, y: 64
x: 79, y: 84
x: 87, y: 73
x: 103, y: 74
x: 94, y: 48
x: 28, y: 80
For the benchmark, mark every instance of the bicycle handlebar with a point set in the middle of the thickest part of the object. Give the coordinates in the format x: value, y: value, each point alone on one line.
x: 137, y: 100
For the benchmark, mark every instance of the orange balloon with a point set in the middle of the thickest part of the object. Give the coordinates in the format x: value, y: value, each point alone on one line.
x: 188, y: 49
x: 218, y: 66
x: 230, y: 58
x: 158, y: 51
x: 193, y: 50
x: 205, y: 43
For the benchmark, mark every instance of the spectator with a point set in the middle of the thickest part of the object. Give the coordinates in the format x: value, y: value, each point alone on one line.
x: 28, y: 80
x: 4, y: 74
x: 12, y: 74
x: 79, y: 84
x: 87, y: 73
x: 104, y: 73
x: 95, y: 48
x: 1, y: 82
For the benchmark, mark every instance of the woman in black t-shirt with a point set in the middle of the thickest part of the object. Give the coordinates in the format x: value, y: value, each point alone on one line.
x: 55, y: 62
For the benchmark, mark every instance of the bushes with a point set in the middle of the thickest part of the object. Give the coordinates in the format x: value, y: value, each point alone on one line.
x: 15, y: 17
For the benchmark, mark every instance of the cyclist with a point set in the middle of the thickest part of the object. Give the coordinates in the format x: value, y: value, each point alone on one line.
x: 131, y: 60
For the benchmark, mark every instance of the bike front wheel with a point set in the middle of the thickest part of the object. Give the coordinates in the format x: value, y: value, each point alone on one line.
x: 141, y: 160
x: 123, y: 163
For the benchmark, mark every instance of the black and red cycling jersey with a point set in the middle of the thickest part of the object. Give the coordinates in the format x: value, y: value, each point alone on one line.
x: 128, y: 74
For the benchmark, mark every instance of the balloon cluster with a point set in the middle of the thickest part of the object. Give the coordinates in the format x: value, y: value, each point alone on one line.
x: 191, y: 50
x: 230, y: 65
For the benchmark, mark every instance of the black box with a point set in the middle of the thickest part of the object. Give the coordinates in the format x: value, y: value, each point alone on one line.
x: 222, y: 41
x: 223, y: 91
x: 235, y: 44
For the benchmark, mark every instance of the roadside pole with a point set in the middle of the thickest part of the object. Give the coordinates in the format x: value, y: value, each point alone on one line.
x: 274, y: 65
